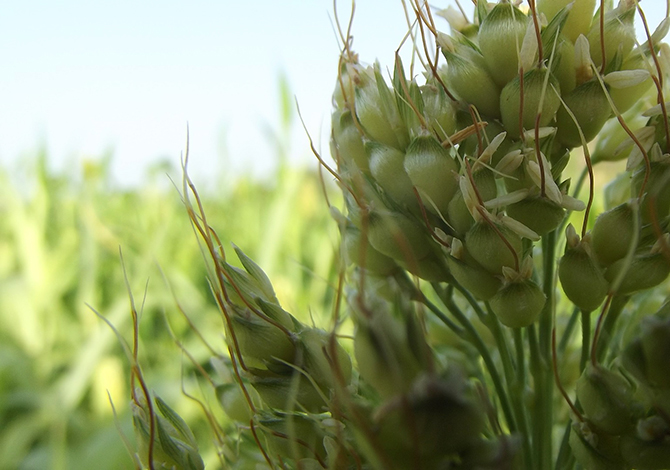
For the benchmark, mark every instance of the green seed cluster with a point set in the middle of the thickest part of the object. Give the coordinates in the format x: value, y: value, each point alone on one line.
x: 455, y: 176
x: 456, y: 179
x: 625, y: 412
x: 455, y: 202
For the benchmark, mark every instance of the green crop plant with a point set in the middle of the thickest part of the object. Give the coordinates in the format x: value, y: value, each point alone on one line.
x: 493, y: 309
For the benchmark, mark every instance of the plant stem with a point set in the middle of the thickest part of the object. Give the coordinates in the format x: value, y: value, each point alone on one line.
x: 518, y: 396
x: 446, y: 297
x: 613, y: 314
x: 586, y: 339
x: 543, y: 373
x: 567, y: 333
x: 565, y: 459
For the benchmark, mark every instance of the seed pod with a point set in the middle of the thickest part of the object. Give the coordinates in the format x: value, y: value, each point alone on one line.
x: 619, y: 34
x: 612, y: 136
x: 317, y: 361
x: 444, y: 419
x: 349, y: 148
x: 349, y: 75
x: 378, y: 113
x: 260, y: 340
x: 433, y: 171
x: 612, y: 234
x: 289, y: 392
x: 469, y: 79
x: 563, y: 67
x: 281, y: 429
x: 644, y: 454
x: 590, y: 108
x: 487, y: 248
x: 537, y: 213
x: 606, y: 398
x: 458, y: 215
x: 354, y: 243
x: 655, y: 342
x: 645, y: 271
x: 479, y: 282
x: 397, y: 236
x: 579, y: 17
x: 518, y: 304
x: 174, y: 445
x: 582, y: 279
x: 533, y: 91
x: 657, y: 188
x: 625, y: 98
x: 385, y: 359
x: 430, y: 269
x: 500, y: 37
x: 439, y: 111
x: 233, y: 402
x: 596, y: 451
x: 519, y: 179
x: 387, y: 167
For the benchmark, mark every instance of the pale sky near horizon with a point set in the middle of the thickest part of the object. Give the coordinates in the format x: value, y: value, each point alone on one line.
x: 84, y: 77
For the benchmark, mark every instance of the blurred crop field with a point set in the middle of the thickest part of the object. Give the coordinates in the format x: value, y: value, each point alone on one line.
x: 66, y: 241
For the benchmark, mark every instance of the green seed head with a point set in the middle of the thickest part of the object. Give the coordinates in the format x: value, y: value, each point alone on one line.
x: 596, y: 450
x: 581, y: 277
x: 589, y: 107
x: 293, y: 391
x: 579, y: 17
x: 518, y: 304
x: 657, y: 190
x: 482, y: 284
x: 468, y: 78
x: 625, y: 97
x: 433, y: 171
x: 387, y: 168
x: 606, y: 398
x: 644, y: 454
x: 319, y: 353
x: 397, y: 236
x: 260, y: 340
x: 348, y: 142
x: 283, y: 430
x: 378, y: 114
x: 644, y: 272
x: 357, y: 250
x: 539, y: 86
x: 383, y: 354
x: 500, y: 37
x: 655, y: 338
x: 537, y: 213
x: 619, y: 34
x: 445, y: 419
x: 485, y: 245
x: 613, y: 234
x: 439, y: 111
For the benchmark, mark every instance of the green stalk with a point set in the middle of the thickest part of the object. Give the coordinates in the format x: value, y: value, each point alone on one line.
x: 518, y: 394
x: 538, y: 417
x: 565, y: 459
x: 607, y: 331
x: 446, y: 297
x: 586, y: 339
x: 542, y: 370
x: 567, y: 333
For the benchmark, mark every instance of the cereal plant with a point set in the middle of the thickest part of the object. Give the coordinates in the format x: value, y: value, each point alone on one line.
x: 495, y: 307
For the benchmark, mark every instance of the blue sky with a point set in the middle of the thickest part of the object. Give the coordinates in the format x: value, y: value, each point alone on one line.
x: 83, y: 77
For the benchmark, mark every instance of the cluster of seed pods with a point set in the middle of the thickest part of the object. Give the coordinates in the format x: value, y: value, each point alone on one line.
x: 456, y: 176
